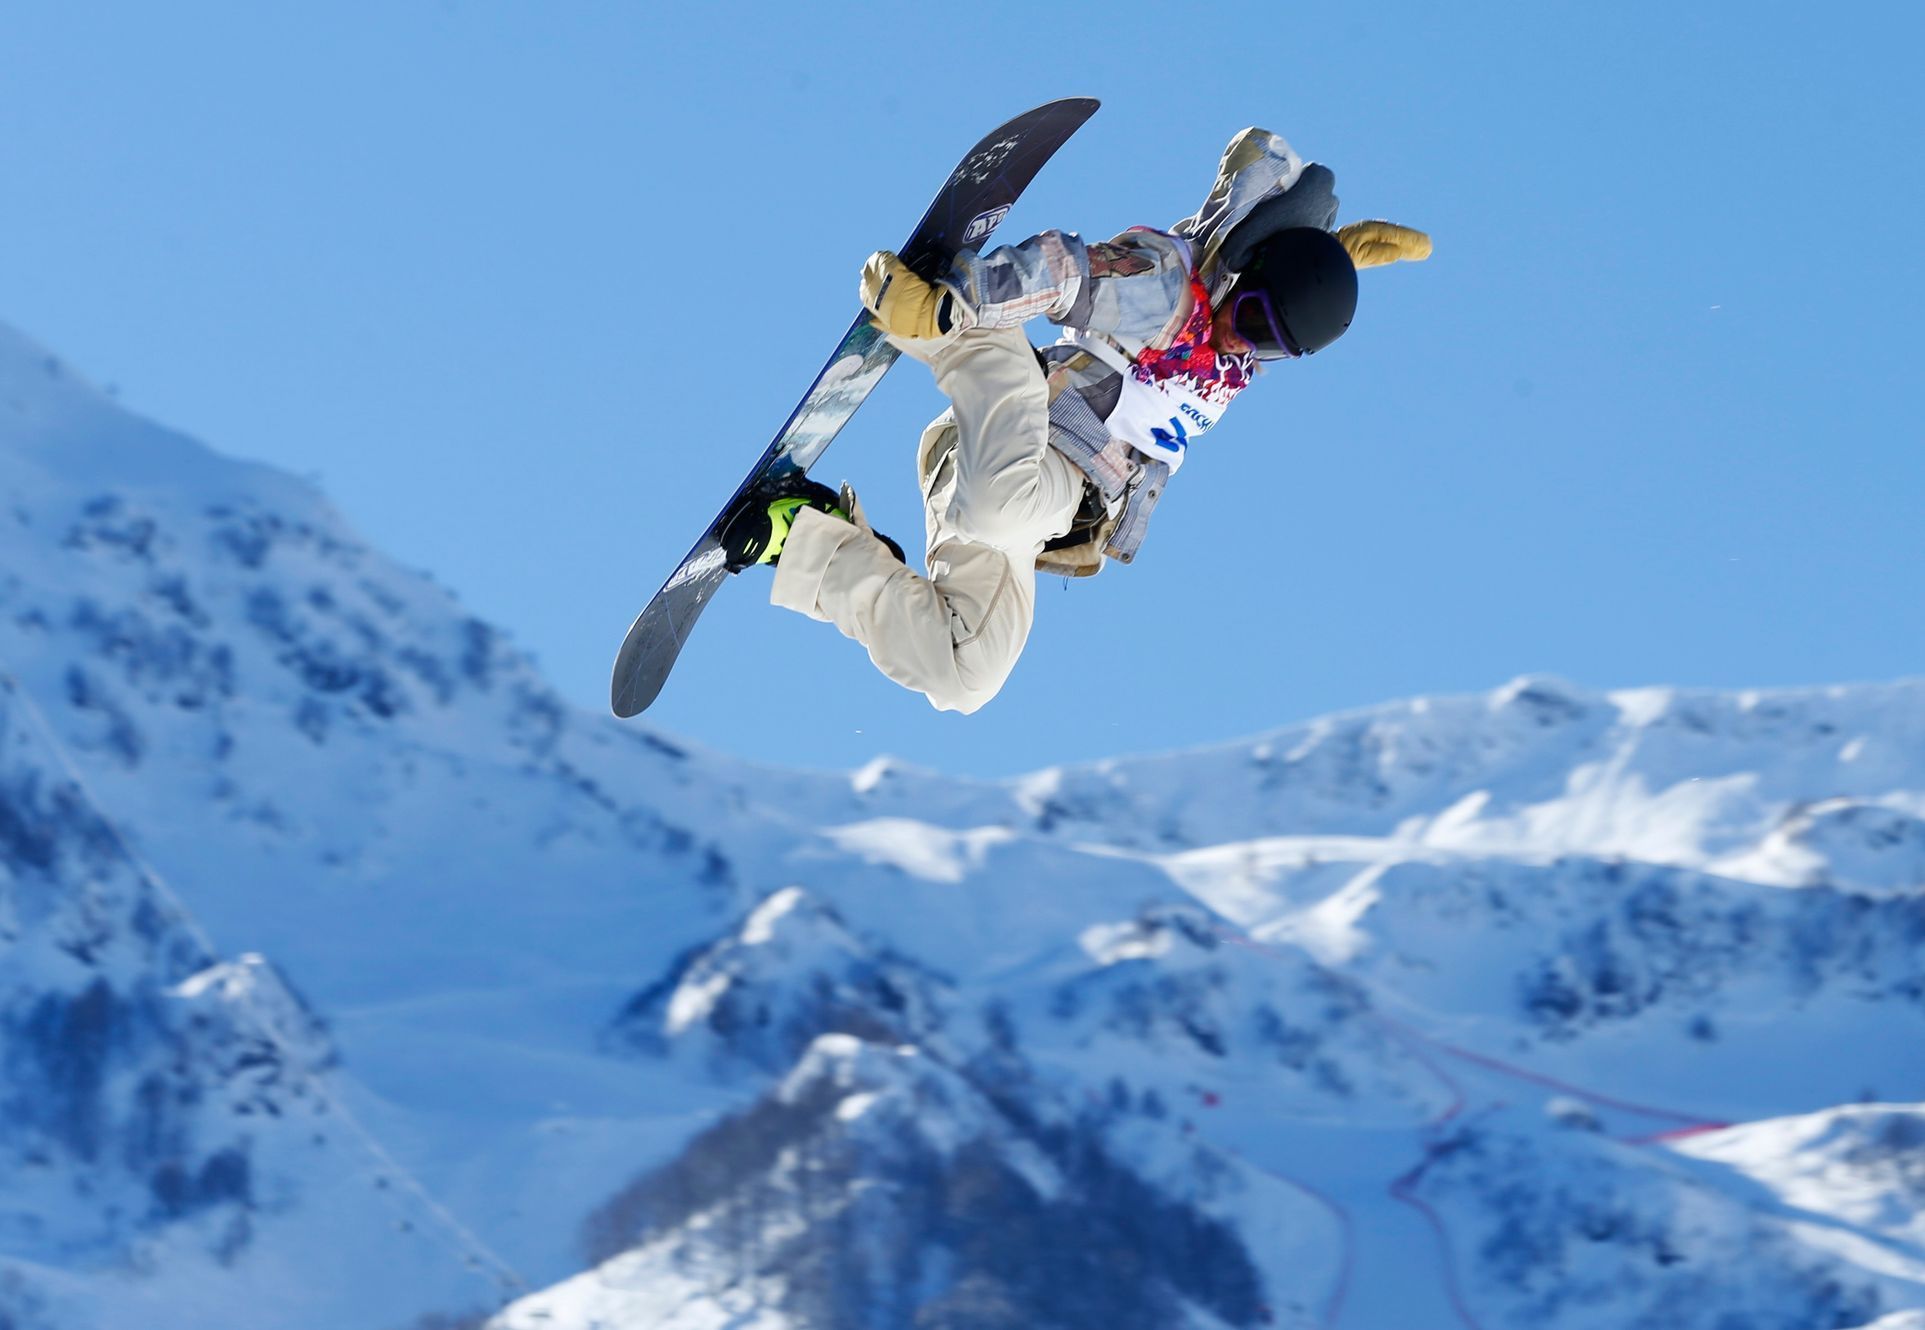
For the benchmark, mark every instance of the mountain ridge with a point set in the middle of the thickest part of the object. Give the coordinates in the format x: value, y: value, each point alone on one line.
x: 1302, y: 1001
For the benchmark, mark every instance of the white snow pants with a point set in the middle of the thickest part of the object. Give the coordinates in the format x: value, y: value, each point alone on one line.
x: 993, y: 492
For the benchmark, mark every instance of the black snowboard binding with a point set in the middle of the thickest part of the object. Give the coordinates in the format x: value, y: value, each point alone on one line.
x: 756, y: 532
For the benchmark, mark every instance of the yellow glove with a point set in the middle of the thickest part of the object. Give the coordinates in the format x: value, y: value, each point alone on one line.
x: 1379, y: 242
x: 903, y: 303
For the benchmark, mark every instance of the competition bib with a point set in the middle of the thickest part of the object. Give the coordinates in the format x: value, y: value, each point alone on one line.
x: 1157, y: 419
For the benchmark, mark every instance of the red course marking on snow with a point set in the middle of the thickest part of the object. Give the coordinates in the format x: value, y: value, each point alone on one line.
x: 1417, y: 1040
x: 1340, y: 1289
x: 1419, y: 1047
x: 1403, y: 1189
x: 1692, y: 1121
x: 1676, y: 1133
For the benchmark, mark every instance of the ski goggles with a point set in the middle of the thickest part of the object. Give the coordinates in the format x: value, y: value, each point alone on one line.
x: 1256, y: 322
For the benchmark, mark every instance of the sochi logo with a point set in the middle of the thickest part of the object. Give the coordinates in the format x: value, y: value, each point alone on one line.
x: 984, y: 224
x: 1172, y: 443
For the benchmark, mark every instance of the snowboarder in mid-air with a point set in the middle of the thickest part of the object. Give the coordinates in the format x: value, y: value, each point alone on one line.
x: 1053, y: 460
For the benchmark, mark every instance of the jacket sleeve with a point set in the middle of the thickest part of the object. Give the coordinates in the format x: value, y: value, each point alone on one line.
x: 1130, y: 285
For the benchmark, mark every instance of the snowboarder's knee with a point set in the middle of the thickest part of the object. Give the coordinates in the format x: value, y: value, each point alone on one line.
x: 971, y: 687
x: 962, y: 703
x: 983, y: 666
x: 1002, y: 515
x: 1018, y: 505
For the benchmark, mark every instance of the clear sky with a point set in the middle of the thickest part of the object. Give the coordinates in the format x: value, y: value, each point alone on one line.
x: 527, y: 287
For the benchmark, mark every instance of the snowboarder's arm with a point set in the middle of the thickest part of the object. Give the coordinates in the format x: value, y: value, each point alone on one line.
x: 1043, y: 277
x: 1128, y: 285
x: 1133, y: 285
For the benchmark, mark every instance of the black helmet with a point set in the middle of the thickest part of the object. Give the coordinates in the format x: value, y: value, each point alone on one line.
x: 1296, y: 293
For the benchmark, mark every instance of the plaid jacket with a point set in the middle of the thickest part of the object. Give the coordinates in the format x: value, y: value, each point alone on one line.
x: 1134, y: 292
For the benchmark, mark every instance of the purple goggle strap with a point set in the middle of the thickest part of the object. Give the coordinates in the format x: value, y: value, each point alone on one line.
x: 1279, y: 347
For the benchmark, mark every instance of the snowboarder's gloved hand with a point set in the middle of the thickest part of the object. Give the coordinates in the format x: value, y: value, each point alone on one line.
x: 904, y: 304
x: 1378, y: 242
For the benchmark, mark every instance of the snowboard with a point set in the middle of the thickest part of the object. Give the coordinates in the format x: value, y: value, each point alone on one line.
x: 978, y: 194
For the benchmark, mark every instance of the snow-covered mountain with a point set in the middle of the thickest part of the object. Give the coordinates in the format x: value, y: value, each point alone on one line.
x: 348, y: 977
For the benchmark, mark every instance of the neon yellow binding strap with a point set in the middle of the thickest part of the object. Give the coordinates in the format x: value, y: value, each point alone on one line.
x: 781, y: 518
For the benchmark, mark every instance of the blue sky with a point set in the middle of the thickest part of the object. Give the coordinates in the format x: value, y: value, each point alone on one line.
x: 527, y: 288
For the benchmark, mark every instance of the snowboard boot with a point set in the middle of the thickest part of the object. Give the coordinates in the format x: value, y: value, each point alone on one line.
x: 756, y: 532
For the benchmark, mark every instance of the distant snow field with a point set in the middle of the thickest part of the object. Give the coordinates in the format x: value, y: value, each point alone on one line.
x: 348, y: 977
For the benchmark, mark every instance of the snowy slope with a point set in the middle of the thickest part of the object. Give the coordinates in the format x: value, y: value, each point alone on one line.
x: 344, y: 773
x: 1795, y: 785
x: 171, y: 1134
x: 1555, y: 1226
x: 1306, y: 1030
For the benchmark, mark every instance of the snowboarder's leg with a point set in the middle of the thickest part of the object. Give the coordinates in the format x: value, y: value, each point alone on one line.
x: 994, y: 491
x: 953, y: 636
x: 1009, y: 482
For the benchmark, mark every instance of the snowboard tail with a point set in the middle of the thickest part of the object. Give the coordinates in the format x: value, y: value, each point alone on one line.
x: 977, y: 196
